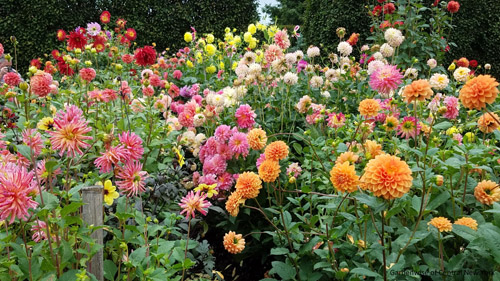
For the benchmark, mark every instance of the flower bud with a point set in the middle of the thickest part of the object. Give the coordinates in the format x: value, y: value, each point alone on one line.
x: 292, y: 180
x: 88, y: 63
x: 452, y: 67
x: 93, y: 51
x: 118, y: 67
x: 469, y: 137
x: 78, y: 51
x: 487, y: 66
x: 23, y: 86
x: 8, y: 57
x: 439, y: 180
x: 32, y: 69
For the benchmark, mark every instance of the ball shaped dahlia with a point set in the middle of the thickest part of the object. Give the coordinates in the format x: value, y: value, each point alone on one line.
x: 487, y: 192
x: 257, y: 139
x: 269, y: 170
x: 387, y: 176
x: 248, y: 185
x: 369, y: 107
x: 234, y: 243
x: 40, y: 84
x: 233, y: 203
x: 469, y: 222
x: 441, y: 223
x: 12, y: 79
x: 343, y: 177
x: 488, y: 122
x: 277, y: 150
x: 479, y: 91
x: 417, y: 90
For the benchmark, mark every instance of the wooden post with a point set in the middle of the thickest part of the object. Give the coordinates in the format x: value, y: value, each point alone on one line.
x: 92, y: 214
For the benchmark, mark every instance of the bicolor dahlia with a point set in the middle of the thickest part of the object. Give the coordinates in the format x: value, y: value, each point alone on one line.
x: 194, y: 202
x: 133, y: 144
x: 110, y: 157
x: 132, y: 179
x: 488, y: 122
x: 439, y: 81
x: 69, y: 134
x: 385, y: 79
x: 369, y: 108
x: 269, y: 170
x: 418, y: 90
x: 469, y: 222
x: 452, y: 107
x: 487, y: 192
x: 33, y: 139
x: 409, y: 127
x: 343, y: 177
x: 17, y: 187
x: 391, y: 123
x: 387, y: 176
x: 257, y: 139
x: 479, y: 91
x: 105, y: 17
x: 441, y: 223
x: 245, y: 116
x: 234, y: 243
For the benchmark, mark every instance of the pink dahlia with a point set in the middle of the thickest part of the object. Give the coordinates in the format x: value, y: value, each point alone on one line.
x: 214, y: 165
x: 194, y: 202
x: 260, y: 160
x: 239, y: 145
x: 186, y: 119
x: 452, y: 107
x: 17, y: 188
x: 336, y: 120
x: 39, y: 230
x: 272, y: 53
x: 132, y: 179
x: 245, y: 116
x: 12, y: 79
x: 69, y: 132
x: 40, y: 84
x: 42, y: 173
x: 223, y: 133
x: 281, y: 39
x: 225, y: 181
x: 87, y: 74
x: 224, y: 151
x: 386, y: 79
x: 177, y: 74
x: 33, y: 139
x: 409, y: 127
x: 111, y: 157
x: 133, y: 146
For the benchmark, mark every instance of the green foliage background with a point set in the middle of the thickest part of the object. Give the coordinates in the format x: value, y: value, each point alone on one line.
x: 35, y: 23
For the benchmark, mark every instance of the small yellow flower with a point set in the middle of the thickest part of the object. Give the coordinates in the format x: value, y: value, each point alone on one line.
x: 46, y: 124
x: 209, y: 189
x: 452, y: 67
x: 252, y: 28
x: 110, y: 193
x: 210, y: 38
x: 189, y: 64
x: 247, y: 37
x: 180, y: 158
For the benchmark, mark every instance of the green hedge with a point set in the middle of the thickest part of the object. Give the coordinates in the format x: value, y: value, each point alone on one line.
x: 35, y: 23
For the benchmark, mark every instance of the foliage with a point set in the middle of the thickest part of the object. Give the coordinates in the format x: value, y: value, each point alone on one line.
x: 287, y: 12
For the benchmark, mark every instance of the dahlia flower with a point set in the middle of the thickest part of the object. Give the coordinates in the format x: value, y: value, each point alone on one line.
x: 257, y: 139
x: 488, y: 122
x: 441, y: 223
x: 245, y: 116
x: 409, y: 127
x: 466, y: 221
x: 479, y: 91
x: 132, y: 179
x: 248, y: 185
x: 276, y: 151
x: 194, y: 202
x: 233, y: 203
x: 343, y: 177
x: 385, y: 79
x: 234, y: 243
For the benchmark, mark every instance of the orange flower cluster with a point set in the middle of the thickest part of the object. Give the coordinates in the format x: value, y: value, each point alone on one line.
x: 488, y: 122
x: 487, y: 192
x: 257, y: 139
x: 369, y: 107
x: 417, y: 90
x: 441, y: 223
x: 233, y: 203
x: 469, y: 222
x: 234, y: 243
x: 479, y: 91
x: 343, y: 177
x: 248, y: 185
x: 387, y: 176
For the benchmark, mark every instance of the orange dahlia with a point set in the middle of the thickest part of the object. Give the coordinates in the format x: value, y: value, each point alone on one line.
x: 277, y: 150
x: 417, y: 90
x: 269, y: 170
x: 387, y: 176
x: 234, y: 243
x: 257, y: 139
x: 441, y: 223
x: 488, y: 122
x: 372, y: 149
x: 469, y: 222
x: 369, y: 107
x: 233, y: 203
x: 343, y: 177
x: 487, y: 192
x: 391, y: 123
x: 479, y: 91
x: 347, y: 156
x: 248, y: 185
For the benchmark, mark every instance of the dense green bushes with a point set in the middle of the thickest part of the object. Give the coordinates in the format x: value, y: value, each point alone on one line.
x: 35, y: 23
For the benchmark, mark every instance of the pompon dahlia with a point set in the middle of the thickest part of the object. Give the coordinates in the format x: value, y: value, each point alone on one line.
x: 12, y: 79
x: 194, y: 202
x: 387, y: 176
x: 276, y: 151
x: 40, y: 83
x: 369, y: 108
x: 441, y: 223
x: 269, y: 170
x: 417, y: 90
x: 343, y: 177
x: 248, y: 185
x: 17, y: 188
x: 488, y: 122
x: 257, y: 139
x: 238, y: 144
x: 469, y: 222
x: 479, y: 91
x: 347, y: 156
x: 487, y: 192
x: 233, y: 203
x: 234, y: 243
x: 132, y: 179
x: 145, y: 56
x: 386, y: 79
x: 87, y: 74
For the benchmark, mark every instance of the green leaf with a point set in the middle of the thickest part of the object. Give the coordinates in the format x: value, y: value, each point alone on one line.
x: 438, y: 200
x: 138, y: 256
x: 279, y: 251
x: 110, y: 270
x: 72, y: 207
x: 366, y: 272
x: 285, y: 271
x: 297, y: 147
x: 465, y: 232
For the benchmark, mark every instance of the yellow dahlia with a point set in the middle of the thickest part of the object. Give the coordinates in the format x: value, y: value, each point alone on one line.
x: 248, y: 185
x: 343, y: 177
x: 441, y: 223
x: 479, y: 91
x: 487, y: 192
x: 387, y: 176
x: 234, y: 243
x: 469, y: 222
x: 257, y: 139
x: 277, y: 150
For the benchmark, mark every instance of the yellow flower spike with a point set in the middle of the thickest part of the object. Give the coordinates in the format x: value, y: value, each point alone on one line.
x: 209, y: 189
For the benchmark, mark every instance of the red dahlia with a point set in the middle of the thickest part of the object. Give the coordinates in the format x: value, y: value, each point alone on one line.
x: 105, y: 17
x: 76, y: 40
x: 131, y: 34
x: 453, y: 6
x: 145, y: 56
